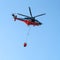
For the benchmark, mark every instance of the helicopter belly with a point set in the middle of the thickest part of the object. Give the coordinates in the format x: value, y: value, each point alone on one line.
x: 31, y: 23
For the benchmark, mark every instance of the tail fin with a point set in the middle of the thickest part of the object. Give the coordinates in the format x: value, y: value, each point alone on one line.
x: 14, y: 16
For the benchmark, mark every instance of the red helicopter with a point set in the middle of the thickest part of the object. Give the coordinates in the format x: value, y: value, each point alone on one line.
x: 29, y: 20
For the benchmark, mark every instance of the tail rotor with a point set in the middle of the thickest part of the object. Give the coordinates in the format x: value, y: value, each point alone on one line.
x: 14, y: 16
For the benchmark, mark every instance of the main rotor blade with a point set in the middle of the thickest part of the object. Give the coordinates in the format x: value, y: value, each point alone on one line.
x: 22, y: 15
x: 40, y: 15
x: 30, y: 11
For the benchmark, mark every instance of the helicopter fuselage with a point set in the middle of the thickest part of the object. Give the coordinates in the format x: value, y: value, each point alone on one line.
x: 28, y: 21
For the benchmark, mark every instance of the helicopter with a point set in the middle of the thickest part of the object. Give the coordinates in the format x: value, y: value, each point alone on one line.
x: 29, y: 20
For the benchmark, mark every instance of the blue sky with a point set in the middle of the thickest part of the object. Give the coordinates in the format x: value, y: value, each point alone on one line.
x: 43, y: 41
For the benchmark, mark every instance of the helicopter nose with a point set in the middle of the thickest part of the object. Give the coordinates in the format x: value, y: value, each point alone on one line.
x: 40, y: 23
